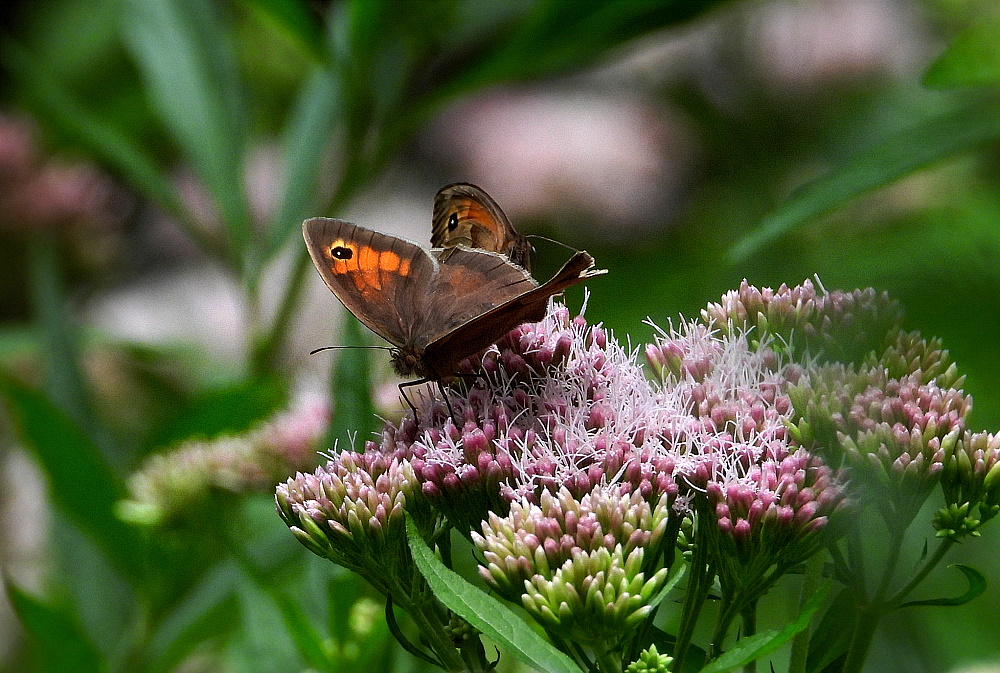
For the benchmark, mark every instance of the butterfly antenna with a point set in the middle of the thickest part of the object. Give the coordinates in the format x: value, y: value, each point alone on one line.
x: 552, y: 240
x: 330, y: 348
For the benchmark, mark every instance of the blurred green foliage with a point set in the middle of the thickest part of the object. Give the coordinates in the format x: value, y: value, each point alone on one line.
x: 871, y: 180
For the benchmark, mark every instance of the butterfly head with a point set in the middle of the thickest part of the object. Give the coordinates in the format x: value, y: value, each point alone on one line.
x: 406, y: 361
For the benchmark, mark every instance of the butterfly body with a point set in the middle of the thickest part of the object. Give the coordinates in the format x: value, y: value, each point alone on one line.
x: 436, y: 307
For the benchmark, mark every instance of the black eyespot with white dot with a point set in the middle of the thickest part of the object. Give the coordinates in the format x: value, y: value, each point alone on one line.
x: 341, y: 252
x: 453, y: 222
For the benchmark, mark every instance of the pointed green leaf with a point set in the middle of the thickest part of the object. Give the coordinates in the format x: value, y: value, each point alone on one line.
x: 296, y: 19
x: 976, y: 588
x: 184, y: 51
x: 973, y: 58
x: 758, y: 645
x: 897, y: 156
x: 307, y: 137
x: 490, y: 616
x: 82, y: 484
x: 62, y: 645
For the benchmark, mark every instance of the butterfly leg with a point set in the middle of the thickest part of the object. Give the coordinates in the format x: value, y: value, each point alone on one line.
x: 447, y: 401
x: 410, y: 384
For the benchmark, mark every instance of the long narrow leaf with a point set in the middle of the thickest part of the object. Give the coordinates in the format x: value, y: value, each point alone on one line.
x: 309, y: 129
x: 976, y: 588
x: 82, y: 484
x: 62, y: 645
x: 294, y: 18
x: 485, y: 613
x: 949, y: 133
x: 758, y: 645
x: 183, y: 49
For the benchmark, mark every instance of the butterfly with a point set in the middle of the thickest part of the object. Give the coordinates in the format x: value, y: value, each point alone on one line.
x: 436, y: 307
x: 466, y: 215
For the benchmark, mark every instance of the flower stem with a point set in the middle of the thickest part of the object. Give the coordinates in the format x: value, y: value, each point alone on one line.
x: 869, y: 617
x: 928, y: 566
x: 810, y: 585
x: 697, y: 592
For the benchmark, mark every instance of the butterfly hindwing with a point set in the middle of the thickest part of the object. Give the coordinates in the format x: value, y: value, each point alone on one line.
x: 466, y: 215
x: 489, y: 327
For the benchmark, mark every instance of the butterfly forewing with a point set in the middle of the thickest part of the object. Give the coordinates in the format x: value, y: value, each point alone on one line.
x: 383, y: 280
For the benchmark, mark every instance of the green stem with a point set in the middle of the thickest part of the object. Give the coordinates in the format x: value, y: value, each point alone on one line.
x: 928, y: 566
x: 869, y: 617
x: 607, y: 662
x: 749, y: 617
x: 810, y: 585
x: 861, y: 638
x: 891, y: 562
x: 697, y: 593
x: 268, y: 347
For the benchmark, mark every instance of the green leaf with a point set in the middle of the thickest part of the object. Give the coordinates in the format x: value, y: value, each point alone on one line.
x: 264, y: 642
x: 973, y: 58
x: 183, y: 49
x: 833, y: 634
x: 353, y: 410
x: 977, y: 586
x: 555, y: 36
x: 295, y: 18
x: 228, y: 410
x: 676, y: 574
x: 485, y: 613
x: 53, y: 101
x: 82, y: 484
x: 307, y: 138
x: 309, y: 642
x: 956, y: 130
x: 205, y: 613
x: 62, y: 645
x: 64, y: 381
x: 758, y: 645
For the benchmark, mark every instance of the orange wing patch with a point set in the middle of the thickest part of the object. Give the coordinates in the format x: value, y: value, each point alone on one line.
x: 388, y: 261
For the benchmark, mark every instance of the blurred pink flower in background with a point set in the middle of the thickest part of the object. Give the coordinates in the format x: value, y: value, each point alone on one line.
x: 612, y: 157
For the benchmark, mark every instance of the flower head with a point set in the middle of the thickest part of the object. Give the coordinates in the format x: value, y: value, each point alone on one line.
x: 971, y: 484
x: 844, y: 326
x: 351, y: 511
x: 171, y: 484
x: 585, y: 568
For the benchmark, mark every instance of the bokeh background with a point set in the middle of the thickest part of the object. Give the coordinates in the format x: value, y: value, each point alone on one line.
x: 158, y: 156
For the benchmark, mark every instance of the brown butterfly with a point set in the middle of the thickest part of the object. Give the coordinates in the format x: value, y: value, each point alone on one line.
x: 435, y: 309
x: 466, y: 215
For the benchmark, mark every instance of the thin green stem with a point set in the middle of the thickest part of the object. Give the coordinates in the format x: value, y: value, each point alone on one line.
x: 870, y: 616
x: 268, y: 347
x: 861, y: 638
x: 891, y: 563
x: 699, y: 583
x: 810, y: 585
x: 607, y: 662
x: 928, y: 566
